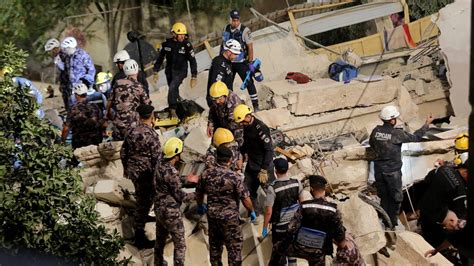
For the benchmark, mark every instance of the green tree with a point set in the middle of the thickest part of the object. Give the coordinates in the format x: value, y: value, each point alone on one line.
x: 43, y: 207
x: 423, y: 8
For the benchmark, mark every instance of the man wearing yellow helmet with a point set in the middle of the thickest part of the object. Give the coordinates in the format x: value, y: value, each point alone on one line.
x: 103, y: 83
x: 168, y: 199
x: 223, y: 136
x: 178, y: 51
x: 221, y: 112
x: 461, y: 145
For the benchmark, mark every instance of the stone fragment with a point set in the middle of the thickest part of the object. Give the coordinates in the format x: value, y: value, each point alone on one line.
x: 110, y: 191
x: 412, y: 247
x: 428, y: 147
x: 86, y: 153
x: 274, y: 118
x: 110, y: 150
x: 346, y: 175
x: 112, y: 170
x: 305, y: 166
x: 107, y: 213
x: 279, y: 102
x: 197, y: 140
x: 420, y: 88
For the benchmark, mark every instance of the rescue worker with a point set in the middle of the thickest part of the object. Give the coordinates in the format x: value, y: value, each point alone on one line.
x: 21, y: 82
x: 280, y: 206
x: 85, y: 120
x: 224, y: 189
x: 316, y: 224
x: 221, y: 67
x: 240, y: 65
x: 119, y: 59
x: 52, y: 47
x: 461, y: 145
x: 223, y: 136
x: 103, y: 83
x: 257, y: 150
x: 141, y: 154
x: 126, y: 96
x: 387, y: 140
x: 445, y: 189
x: 79, y: 64
x: 168, y: 199
x: 178, y: 51
x: 221, y: 112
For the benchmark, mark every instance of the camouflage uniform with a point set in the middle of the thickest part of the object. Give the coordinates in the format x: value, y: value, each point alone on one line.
x: 169, y: 219
x: 210, y: 157
x: 224, y: 189
x: 86, y: 121
x: 315, y: 214
x: 140, y: 154
x: 223, y: 116
x: 350, y: 254
x: 126, y: 96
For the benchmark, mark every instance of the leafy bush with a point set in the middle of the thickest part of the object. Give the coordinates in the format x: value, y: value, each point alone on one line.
x: 43, y: 206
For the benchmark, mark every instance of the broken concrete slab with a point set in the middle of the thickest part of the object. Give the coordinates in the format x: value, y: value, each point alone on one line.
x: 427, y: 148
x: 86, y: 153
x: 415, y: 168
x: 110, y: 151
x: 412, y: 247
x: 112, y: 170
x: 346, y: 175
x: 112, y: 192
x: 106, y: 212
x: 197, y: 141
x: 279, y: 102
x: 274, y: 118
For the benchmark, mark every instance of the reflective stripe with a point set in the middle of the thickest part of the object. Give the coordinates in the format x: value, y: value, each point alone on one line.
x: 319, y: 206
x: 286, y: 187
x: 460, y: 197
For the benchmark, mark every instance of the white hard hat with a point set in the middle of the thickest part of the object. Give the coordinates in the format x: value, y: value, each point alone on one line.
x: 80, y: 89
x: 51, y: 44
x: 464, y: 157
x: 69, y: 42
x: 121, y: 56
x: 389, y: 112
x: 233, y: 46
x: 130, y: 67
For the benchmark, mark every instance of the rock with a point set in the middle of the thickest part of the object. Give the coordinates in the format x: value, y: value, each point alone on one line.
x: 346, y: 175
x: 197, y: 140
x: 110, y: 150
x: 354, y: 153
x: 302, y: 151
x: 112, y: 170
x: 306, y: 166
x: 410, y: 84
x: 86, y: 153
x: 420, y: 88
x: 408, y: 108
x: 412, y: 247
x: 107, y: 213
x: 150, y: 230
x: 361, y: 220
x: 148, y: 256
x: 279, y: 102
x: 130, y: 251
x: 274, y: 118
x: 111, y: 191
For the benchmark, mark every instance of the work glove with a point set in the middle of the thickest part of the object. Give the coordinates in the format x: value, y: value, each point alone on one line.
x: 202, y: 209
x: 251, y: 67
x: 264, y: 232
x: 193, y: 82
x: 263, y: 176
x: 253, y: 217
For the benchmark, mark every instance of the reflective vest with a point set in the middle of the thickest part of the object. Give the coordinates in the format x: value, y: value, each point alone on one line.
x: 236, y: 35
x: 286, y: 202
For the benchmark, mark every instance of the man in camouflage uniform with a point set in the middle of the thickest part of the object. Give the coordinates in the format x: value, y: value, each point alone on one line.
x: 224, y: 189
x: 223, y: 136
x: 140, y: 154
x: 221, y: 112
x: 126, y: 96
x: 168, y: 199
x: 85, y: 120
x: 314, y: 227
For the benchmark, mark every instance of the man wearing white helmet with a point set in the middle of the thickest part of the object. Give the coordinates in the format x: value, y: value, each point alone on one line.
x: 52, y: 47
x: 119, y: 59
x: 387, y: 140
x: 86, y: 121
x: 221, y: 67
x: 126, y: 96
x: 79, y: 63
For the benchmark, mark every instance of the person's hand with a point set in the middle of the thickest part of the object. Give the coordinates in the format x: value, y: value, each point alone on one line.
x: 430, y: 253
x: 429, y: 119
x: 210, y: 130
x: 193, y: 82
x: 253, y: 216
x: 263, y: 176
x: 450, y: 222
x: 192, y: 178
x: 202, y: 209
x: 264, y: 232
x: 439, y: 163
x: 155, y: 77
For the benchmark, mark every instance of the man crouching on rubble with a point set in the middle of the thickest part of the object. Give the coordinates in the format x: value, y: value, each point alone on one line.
x: 315, y: 226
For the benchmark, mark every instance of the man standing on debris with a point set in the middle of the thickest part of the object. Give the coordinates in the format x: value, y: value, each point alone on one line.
x: 280, y: 207
x: 257, y: 150
x: 387, y: 140
x: 224, y: 189
x: 85, y: 119
x: 240, y: 65
x: 140, y: 154
x: 52, y: 47
x: 119, y: 59
x: 221, y: 112
x: 178, y: 51
x: 221, y: 67
x: 168, y: 200
x: 224, y: 137
x: 314, y: 227
x: 126, y: 96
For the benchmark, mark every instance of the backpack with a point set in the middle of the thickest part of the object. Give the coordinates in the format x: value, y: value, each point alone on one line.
x: 342, y: 71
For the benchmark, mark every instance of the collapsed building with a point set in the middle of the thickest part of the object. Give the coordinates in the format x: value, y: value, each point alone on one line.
x: 321, y: 126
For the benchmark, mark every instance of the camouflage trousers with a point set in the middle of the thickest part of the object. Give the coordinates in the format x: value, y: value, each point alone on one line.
x: 225, y: 232
x: 312, y: 255
x: 144, y: 193
x: 169, y: 221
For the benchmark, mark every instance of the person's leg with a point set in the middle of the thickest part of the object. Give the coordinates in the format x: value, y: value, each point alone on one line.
x: 175, y: 227
x: 241, y: 69
x: 173, y: 91
x: 276, y: 258
x: 394, y: 188
x: 382, y: 190
x: 161, y: 235
x: 252, y: 183
x: 233, y: 242
x: 216, y: 241
x: 144, y: 195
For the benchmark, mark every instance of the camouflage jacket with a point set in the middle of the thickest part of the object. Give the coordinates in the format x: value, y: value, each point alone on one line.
x: 168, y: 185
x: 224, y: 189
x: 80, y: 66
x: 210, y: 157
x: 85, y: 120
x: 223, y: 115
x: 141, y: 150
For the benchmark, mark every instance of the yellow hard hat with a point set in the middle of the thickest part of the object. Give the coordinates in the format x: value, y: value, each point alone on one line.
x: 461, y: 159
x: 240, y: 112
x: 103, y: 77
x: 461, y: 143
x: 173, y: 146
x: 179, y: 28
x: 218, y: 89
x: 221, y: 136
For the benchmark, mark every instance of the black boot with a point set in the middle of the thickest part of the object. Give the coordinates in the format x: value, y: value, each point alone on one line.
x: 141, y: 241
x: 255, y: 105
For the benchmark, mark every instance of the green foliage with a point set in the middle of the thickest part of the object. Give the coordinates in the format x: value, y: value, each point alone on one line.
x: 423, y: 8
x: 43, y: 205
x: 180, y: 5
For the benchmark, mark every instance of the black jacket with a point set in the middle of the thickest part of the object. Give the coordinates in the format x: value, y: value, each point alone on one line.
x: 221, y: 69
x: 177, y: 55
x: 258, y: 146
x: 141, y: 78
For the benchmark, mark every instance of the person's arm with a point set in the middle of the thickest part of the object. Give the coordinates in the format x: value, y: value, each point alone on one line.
x: 210, y: 121
x: 247, y: 38
x: 268, y: 215
x: 160, y: 58
x: 269, y: 201
x: 243, y: 194
x: 144, y: 97
x: 400, y: 136
x: 124, y: 156
x: 90, y: 69
x: 176, y: 186
x: 267, y: 145
x: 250, y: 51
x: 339, y: 232
x: 191, y: 59
x: 439, y: 248
x: 142, y: 79
x: 217, y: 73
x: 64, y: 132
x: 200, y: 191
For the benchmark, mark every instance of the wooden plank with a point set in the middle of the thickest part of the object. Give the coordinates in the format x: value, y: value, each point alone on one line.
x: 209, y: 49
x: 294, y: 26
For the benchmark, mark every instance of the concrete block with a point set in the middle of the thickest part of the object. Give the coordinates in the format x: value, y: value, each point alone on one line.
x: 279, y: 102
x: 420, y: 87
x: 306, y: 166
x: 274, y: 118
x: 346, y: 175
x: 109, y: 151
x: 86, y: 153
x: 410, y: 84
x: 412, y: 247
x: 428, y: 147
x: 197, y: 140
x: 111, y: 191
x: 292, y: 98
x: 107, y: 213
x: 112, y: 170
